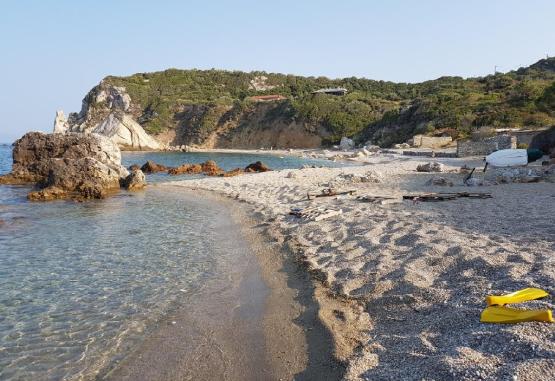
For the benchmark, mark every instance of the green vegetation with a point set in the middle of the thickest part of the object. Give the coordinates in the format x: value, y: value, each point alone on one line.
x: 384, y: 112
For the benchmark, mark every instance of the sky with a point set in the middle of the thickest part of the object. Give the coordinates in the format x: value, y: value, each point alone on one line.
x: 53, y: 52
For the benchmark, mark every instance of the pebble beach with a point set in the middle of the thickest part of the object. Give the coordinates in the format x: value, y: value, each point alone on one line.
x: 402, y: 283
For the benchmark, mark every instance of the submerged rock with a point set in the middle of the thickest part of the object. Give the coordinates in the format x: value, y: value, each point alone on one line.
x: 66, y: 165
x: 257, y: 167
x: 186, y: 168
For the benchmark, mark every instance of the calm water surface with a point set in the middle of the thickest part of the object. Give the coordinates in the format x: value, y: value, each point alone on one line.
x: 81, y: 283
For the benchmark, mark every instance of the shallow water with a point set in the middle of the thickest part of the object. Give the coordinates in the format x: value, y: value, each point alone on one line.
x: 81, y: 283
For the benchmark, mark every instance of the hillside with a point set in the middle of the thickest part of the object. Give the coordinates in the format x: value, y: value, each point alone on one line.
x: 213, y: 108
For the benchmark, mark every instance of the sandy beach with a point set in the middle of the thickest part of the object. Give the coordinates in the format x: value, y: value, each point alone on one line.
x: 401, y: 284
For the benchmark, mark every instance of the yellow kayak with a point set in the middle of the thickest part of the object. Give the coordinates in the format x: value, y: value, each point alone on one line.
x: 519, y: 296
x: 496, y: 314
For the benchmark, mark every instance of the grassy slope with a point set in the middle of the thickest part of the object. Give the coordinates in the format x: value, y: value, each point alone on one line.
x: 385, y: 112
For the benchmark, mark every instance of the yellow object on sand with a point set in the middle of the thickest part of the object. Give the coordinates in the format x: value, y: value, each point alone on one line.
x: 496, y: 314
x: 519, y: 296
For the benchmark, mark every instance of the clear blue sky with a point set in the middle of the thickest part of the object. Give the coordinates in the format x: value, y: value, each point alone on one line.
x: 53, y: 52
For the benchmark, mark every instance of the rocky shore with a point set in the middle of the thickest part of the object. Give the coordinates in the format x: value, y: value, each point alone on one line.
x: 409, y: 278
x: 72, y: 165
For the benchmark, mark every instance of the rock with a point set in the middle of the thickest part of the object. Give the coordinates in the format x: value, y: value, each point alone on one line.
x: 134, y: 167
x: 474, y: 182
x: 186, y: 168
x: 47, y: 194
x: 66, y: 165
x: 257, y: 167
x: 115, y: 98
x: 60, y: 123
x: 135, y: 181
x: 152, y: 167
x: 346, y: 144
x: 291, y: 175
x: 516, y: 174
x: 233, y: 172
x: 402, y: 146
x: 439, y: 181
x: 125, y: 132
x: 430, y: 167
x: 210, y: 168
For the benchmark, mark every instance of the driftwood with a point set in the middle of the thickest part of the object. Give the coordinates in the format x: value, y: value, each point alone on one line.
x: 445, y: 196
x: 329, y: 192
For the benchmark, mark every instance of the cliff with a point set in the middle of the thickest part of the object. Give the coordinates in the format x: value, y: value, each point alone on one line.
x: 224, y: 109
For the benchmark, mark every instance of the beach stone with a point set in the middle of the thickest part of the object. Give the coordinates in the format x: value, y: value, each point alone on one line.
x: 152, y: 167
x: 135, y: 181
x: 257, y: 167
x: 291, y: 175
x: 430, y: 167
x: 134, y: 167
x: 71, y: 165
x: 439, y: 181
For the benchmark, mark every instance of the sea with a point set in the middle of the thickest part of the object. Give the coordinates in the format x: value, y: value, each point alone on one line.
x: 82, y: 283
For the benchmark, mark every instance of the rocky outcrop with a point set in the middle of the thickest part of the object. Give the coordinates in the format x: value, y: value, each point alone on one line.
x: 107, y: 110
x: 70, y: 165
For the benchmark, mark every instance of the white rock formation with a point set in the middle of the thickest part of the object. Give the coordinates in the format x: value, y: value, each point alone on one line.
x: 346, y: 143
x: 116, y: 98
x: 119, y: 125
x: 123, y: 130
x: 60, y: 123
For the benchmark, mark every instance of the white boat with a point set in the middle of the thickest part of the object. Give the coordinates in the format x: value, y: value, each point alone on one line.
x: 508, y: 158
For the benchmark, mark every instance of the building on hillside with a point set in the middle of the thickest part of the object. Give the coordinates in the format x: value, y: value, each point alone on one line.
x: 332, y: 91
x: 267, y: 98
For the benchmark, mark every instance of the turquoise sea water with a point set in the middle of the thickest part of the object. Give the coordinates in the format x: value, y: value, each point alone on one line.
x: 81, y: 283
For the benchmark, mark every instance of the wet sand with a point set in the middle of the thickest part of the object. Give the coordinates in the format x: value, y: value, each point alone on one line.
x: 259, y: 320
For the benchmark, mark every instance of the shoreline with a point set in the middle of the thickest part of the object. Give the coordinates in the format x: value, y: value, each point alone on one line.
x: 294, y: 342
x: 405, y: 267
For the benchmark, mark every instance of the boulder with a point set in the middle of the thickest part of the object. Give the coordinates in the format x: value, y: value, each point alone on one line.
x: 135, y: 181
x: 257, y: 167
x: 69, y: 165
x: 152, y: 167
x: 430, y: 167
x: 346, y: 144
x: 210, y: 168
